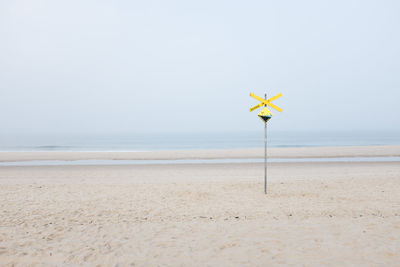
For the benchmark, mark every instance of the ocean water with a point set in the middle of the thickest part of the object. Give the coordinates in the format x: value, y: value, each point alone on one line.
x: 190, y: 141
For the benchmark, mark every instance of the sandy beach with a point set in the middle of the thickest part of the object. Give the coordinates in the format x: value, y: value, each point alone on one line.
x: 316, y: 213
x: 310, y: 152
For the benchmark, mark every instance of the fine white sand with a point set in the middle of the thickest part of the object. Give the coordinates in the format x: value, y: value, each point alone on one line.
x: 329, y: 214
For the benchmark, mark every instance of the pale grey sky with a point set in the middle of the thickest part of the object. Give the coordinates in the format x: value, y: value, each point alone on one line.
x: 135, y: 66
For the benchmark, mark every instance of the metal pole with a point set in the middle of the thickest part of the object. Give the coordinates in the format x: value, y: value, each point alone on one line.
x: 265, y: 154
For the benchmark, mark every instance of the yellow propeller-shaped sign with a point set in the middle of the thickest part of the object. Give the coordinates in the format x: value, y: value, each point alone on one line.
x: 265, y: 102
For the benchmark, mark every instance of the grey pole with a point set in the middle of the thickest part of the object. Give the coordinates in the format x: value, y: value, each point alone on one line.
x: 265, y: 154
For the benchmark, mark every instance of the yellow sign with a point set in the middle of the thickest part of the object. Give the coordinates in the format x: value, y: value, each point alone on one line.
x: 265, y: 115
x: 265, y: 102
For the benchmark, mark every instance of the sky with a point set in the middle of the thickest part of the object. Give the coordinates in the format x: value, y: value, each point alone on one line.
x: 189, y: 66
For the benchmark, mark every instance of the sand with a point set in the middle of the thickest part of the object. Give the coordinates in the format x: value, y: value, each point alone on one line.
x: 327, y: 213
x: 311, y: 152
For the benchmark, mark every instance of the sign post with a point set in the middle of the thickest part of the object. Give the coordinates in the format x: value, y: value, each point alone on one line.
x: 265, y: 153
x: 265, y: 115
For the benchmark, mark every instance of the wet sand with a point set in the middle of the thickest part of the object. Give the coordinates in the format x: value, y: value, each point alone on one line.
x: 310, y: 152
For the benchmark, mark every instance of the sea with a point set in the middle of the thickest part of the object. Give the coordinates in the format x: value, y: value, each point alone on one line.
x: 192, y: 141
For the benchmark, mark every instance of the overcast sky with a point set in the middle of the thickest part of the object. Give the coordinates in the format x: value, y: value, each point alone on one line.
x: 185, y: 66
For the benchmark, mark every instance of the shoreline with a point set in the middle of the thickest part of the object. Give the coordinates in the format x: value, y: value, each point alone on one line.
x: 298, y: 152
x: 114, y: 162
